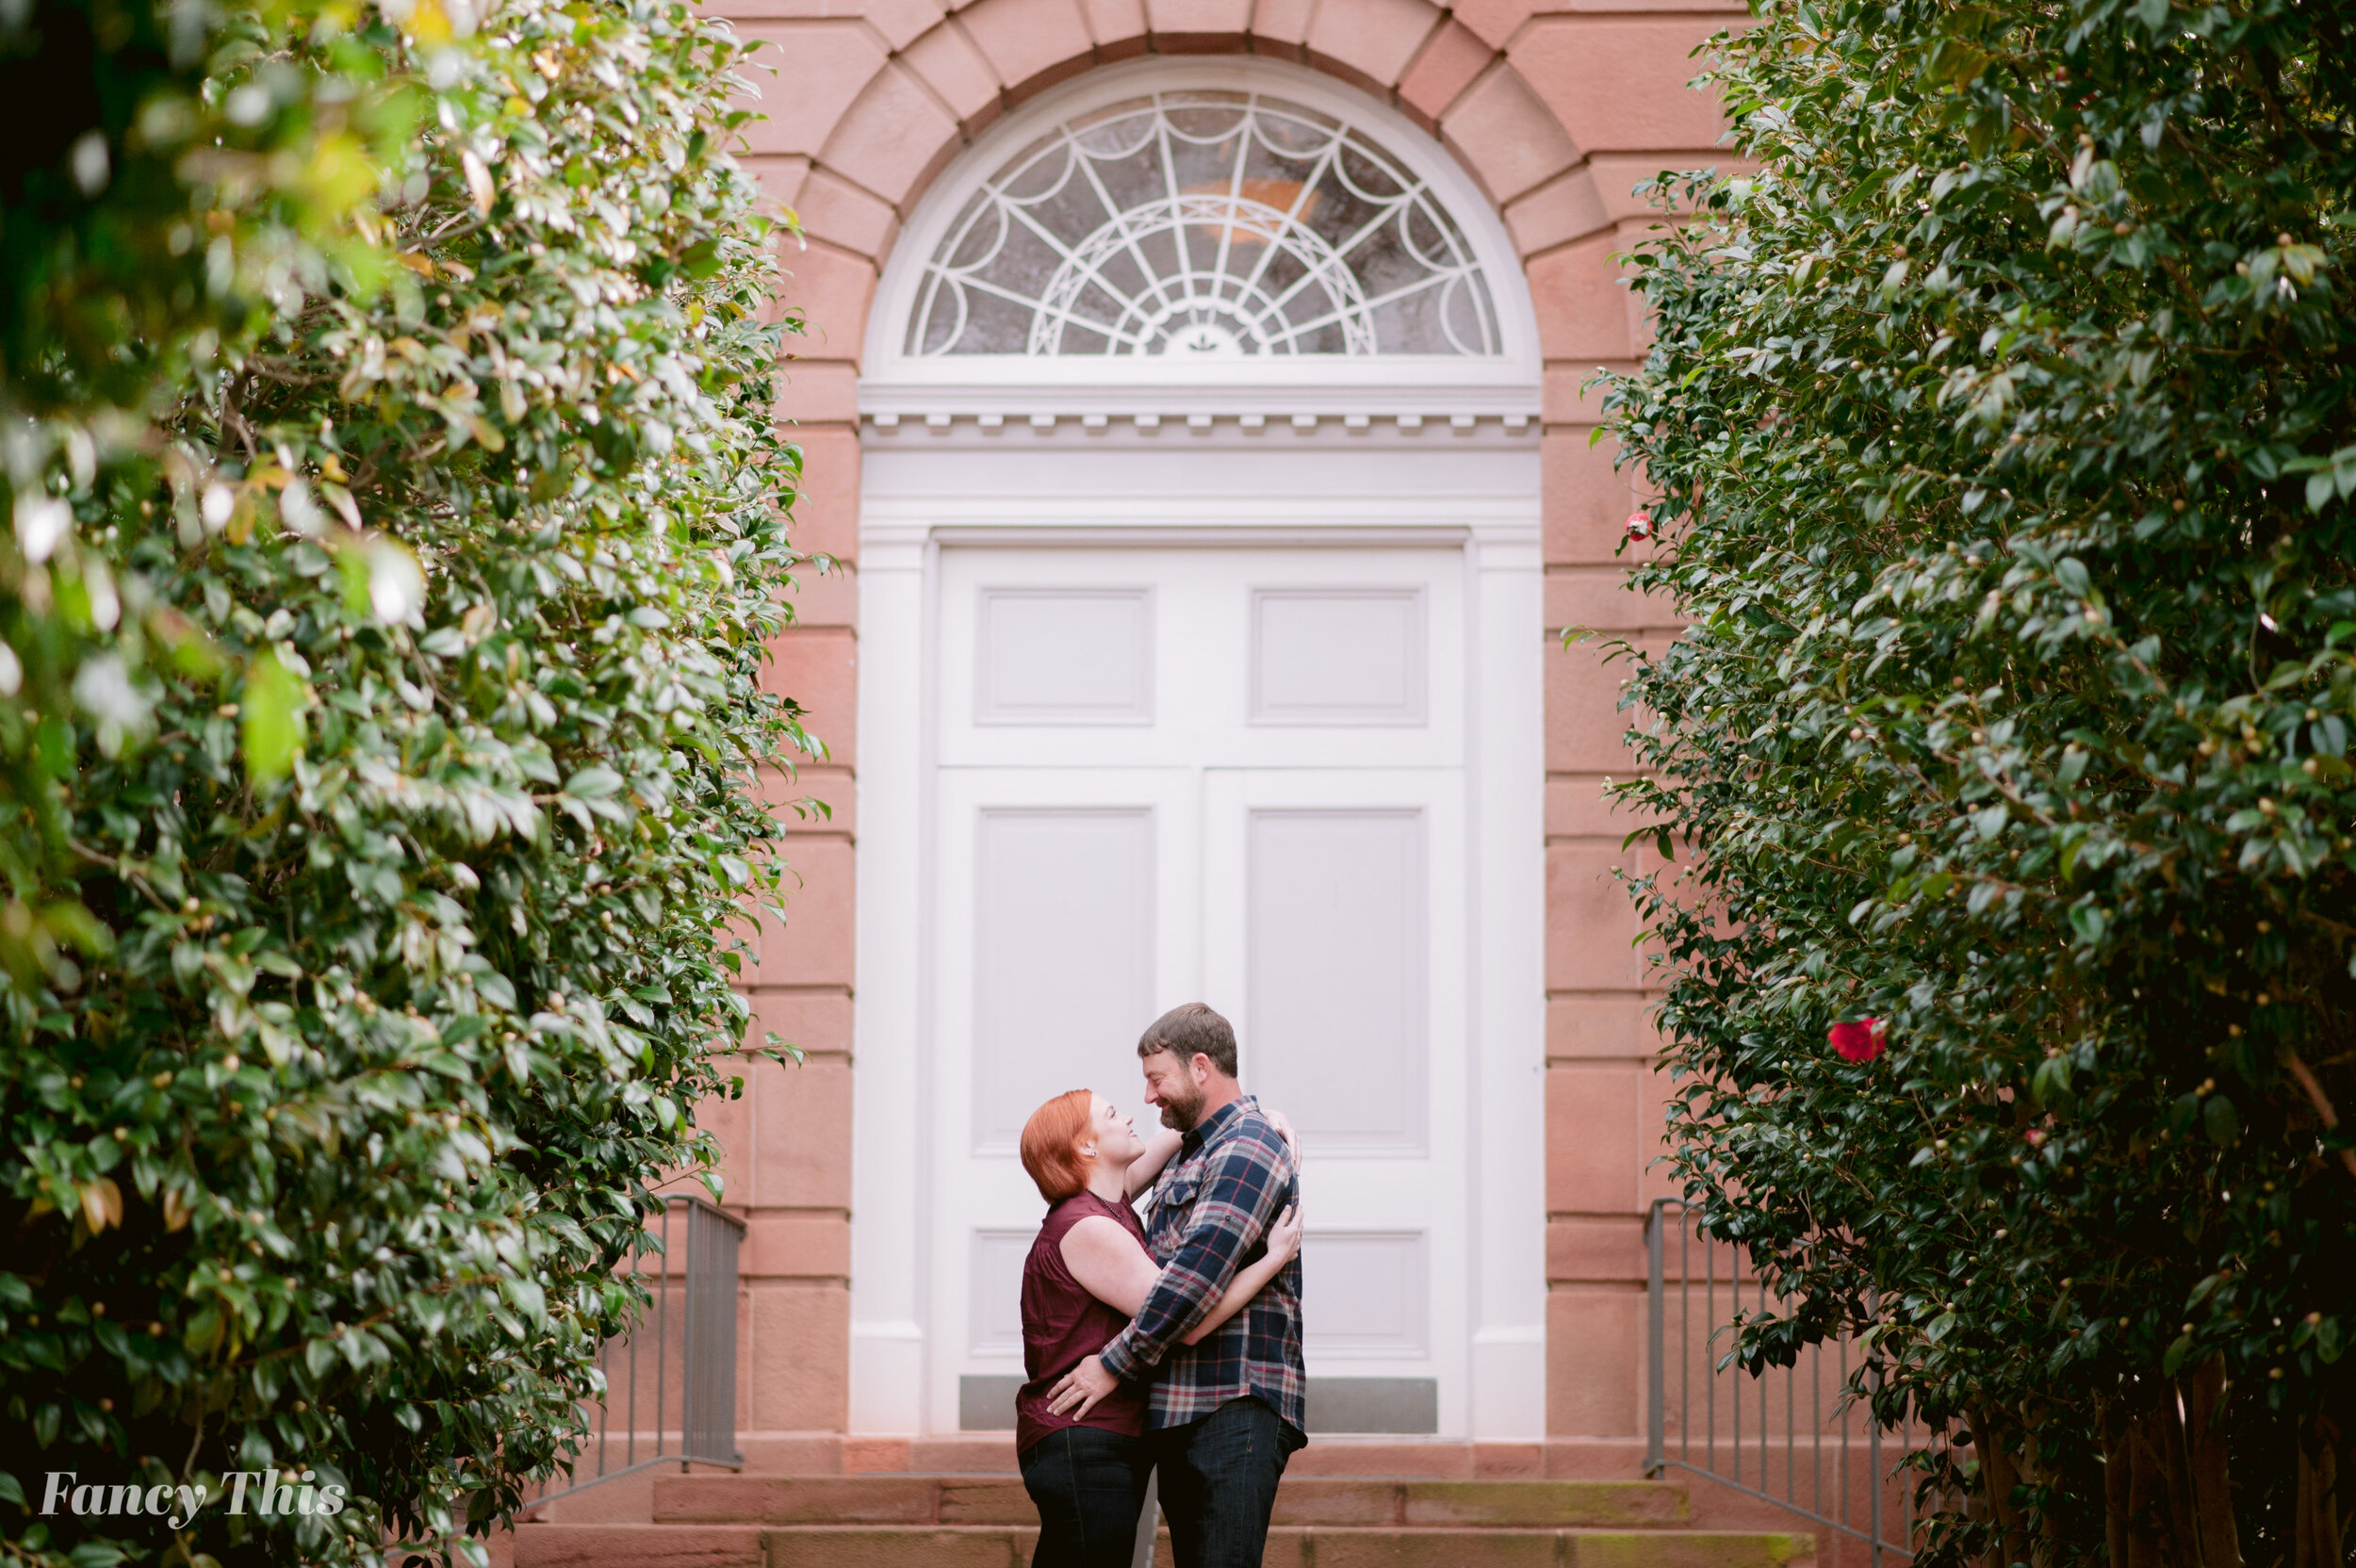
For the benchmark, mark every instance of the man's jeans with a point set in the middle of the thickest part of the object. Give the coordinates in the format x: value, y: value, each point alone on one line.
x: 1218, y: 1478
x: 1089, y: 1486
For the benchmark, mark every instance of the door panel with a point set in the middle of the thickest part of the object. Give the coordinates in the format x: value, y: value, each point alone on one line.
x: 994, y: 1304
x: 1057, y: 932
x: 1338, y: 656
x: 1347, y: 969
x: 1369, y: 1296
x: 1337, y: 943
x: 1063, y: 953
x: 1057, y: 656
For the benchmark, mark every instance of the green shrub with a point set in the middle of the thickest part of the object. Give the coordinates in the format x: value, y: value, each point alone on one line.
x: 417, y: 791
x: 2003, y: 431
x: 171, y: 181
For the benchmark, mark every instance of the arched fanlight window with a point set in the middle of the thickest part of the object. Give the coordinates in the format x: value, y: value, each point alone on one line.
x: 1204, y: 225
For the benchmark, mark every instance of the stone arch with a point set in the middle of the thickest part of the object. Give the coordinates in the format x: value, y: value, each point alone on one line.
x: 883, y: 101
x: 930, y: 98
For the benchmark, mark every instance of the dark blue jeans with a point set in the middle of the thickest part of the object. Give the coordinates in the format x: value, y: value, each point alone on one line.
x: 1089, y: 1486
x: 1218, y: 1478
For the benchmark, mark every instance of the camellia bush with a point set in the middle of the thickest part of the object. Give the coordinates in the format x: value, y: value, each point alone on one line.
x: 158, y: 210
x: 399, y: 519
x: 2001, y: 431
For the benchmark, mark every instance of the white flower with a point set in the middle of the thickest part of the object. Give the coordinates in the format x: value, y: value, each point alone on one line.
x: 395, y: 585
x: 103, y: 688
x: 299, y: 512
x: 40, y: 522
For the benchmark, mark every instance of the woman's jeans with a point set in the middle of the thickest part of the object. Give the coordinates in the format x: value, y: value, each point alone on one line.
x: 1089, y: 1486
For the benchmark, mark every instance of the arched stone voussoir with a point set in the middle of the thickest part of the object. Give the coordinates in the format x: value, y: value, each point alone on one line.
x: 959, y: 74
x: 1502, y: 131
x: 904, y: 127
x: 833, y: 209
x: 1451, y: 61
x: 1030, y: 45
x: 821, y: 66
x: 1198, y: 26
x: 1371, y: 42
x: 835, y: 289
x: 893, y: 137
x: 1558, y: 212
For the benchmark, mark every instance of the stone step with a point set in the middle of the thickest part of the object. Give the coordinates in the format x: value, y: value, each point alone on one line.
x: 1009, y: 1546
x: 992, y: 1454
x: 1300, y: 1500
x: 538, y: 1545
x: 844, y: 1500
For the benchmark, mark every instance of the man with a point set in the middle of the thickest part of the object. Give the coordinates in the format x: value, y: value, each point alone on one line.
x: 1226, y: 1412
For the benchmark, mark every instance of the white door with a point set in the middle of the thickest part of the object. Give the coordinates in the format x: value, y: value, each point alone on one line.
x: 1228, y: 774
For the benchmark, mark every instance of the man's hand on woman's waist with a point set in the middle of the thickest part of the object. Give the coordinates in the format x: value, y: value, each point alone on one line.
x: 1076, y: 1392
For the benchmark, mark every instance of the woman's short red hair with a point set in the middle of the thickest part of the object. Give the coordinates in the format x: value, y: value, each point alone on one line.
x: 1051, y: 1145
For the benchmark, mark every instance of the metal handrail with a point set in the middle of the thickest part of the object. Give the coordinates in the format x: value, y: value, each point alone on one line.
x: 1704, y: 1458
x: 702, y: 1272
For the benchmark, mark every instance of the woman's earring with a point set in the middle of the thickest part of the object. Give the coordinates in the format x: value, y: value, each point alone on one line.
x: 1089, y: 1152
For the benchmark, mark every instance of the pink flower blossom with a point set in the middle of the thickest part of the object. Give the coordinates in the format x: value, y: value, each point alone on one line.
x: 1861, y: 1040
x: 1640, y: 525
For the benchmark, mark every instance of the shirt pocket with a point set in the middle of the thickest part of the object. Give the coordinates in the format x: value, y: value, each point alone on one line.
x: 1175, y: 1197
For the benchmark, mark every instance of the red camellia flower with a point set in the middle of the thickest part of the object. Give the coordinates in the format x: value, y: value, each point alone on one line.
x: 1858, y: 1041
x: 1640, y: 525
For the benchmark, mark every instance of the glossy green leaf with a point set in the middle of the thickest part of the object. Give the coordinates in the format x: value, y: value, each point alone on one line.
x: 270, y: 731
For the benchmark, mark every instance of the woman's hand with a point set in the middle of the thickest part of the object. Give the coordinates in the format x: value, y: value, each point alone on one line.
x: 1284, y: 1126
x: 1283, y: 1237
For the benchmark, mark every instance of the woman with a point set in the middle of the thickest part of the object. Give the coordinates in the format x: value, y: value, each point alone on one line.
x: 1088, y: 1274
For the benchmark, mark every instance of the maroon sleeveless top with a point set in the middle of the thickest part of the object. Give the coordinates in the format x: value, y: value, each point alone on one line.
x: 1063, y: 1325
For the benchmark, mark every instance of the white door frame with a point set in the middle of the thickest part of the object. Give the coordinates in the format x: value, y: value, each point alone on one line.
x: 967, y: 490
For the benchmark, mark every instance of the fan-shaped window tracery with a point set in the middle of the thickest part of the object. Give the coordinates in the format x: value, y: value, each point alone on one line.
x: 1204, y: 225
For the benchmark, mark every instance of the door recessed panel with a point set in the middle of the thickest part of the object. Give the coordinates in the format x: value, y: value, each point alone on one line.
x: 1338, y: 656
x: 995, y: 1295
x: 1063, y: 959
x: 1336, y: 954
x: 1064, y: 656
x: 1366, y: 1294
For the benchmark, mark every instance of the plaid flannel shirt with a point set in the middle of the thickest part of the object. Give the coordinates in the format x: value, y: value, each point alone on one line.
x: 1211, y: 1210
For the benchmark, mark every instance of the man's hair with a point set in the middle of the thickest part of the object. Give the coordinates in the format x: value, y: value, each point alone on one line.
x: 1192, y: 1030
x: 1051, y: 1145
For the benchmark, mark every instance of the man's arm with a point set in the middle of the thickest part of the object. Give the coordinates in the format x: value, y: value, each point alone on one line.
x: 1242, y: 1189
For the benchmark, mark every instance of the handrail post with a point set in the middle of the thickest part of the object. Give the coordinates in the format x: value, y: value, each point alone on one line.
x: 690, y: 1366
x: 1656, y: 1343
x: 1873, y: 1466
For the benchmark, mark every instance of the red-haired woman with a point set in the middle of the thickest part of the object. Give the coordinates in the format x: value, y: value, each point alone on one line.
x: 1088, y: 1274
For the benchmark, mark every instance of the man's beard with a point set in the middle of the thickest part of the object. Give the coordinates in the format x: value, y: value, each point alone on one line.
x: 1180, y: 1115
